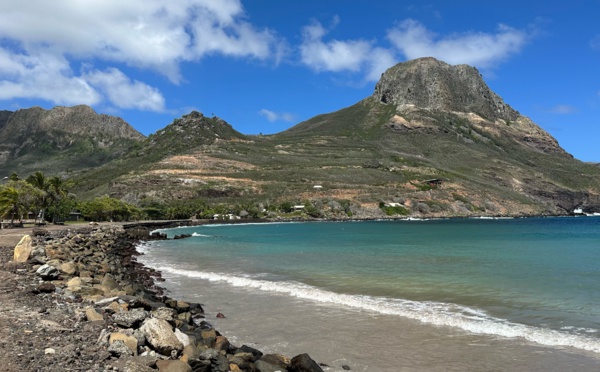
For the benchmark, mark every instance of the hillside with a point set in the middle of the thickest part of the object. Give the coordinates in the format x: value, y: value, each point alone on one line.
x: 432, y: 139
x: 62, y: 139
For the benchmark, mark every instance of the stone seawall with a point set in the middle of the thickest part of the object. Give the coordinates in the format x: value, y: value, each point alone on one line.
x: 93, y: 307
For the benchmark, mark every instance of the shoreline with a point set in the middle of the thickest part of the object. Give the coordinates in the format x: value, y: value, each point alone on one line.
x: 90, y: 306
x: 60, y: 316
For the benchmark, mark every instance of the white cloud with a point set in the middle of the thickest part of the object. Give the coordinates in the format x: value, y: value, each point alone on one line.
x: 478, y: 49
x: 273, y: 116
x: 346, y: 55
x: 145, y: 34
x: 125, y: 93
x: 562, y: 109
x: 44, y: 76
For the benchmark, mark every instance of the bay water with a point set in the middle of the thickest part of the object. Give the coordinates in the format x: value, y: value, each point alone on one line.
x: 458, y: 294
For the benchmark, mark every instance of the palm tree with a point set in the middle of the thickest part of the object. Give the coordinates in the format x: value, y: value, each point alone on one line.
x: 40, y: 182
x: 58, y: 189
x: 11, y: 203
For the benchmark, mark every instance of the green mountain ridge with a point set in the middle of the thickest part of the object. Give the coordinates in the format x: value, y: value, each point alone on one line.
x: 426, y: 120
x: 61, y: 139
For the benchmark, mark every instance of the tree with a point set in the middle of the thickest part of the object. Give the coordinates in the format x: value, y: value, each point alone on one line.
x: 58, y: 198
x: 39, y: 181
x: 17, y: 198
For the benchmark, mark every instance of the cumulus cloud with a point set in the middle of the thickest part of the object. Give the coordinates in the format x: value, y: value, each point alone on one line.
x: 409, y: 39
x: 483, y: 50
x: 44, y: 76
x: 144, y: 34
x: 342, y: 55
x: 273, y: 116
x: 125, y: 93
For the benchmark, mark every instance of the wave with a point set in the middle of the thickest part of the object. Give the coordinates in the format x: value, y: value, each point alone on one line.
x: 202, y: 235
x: 435, y: 313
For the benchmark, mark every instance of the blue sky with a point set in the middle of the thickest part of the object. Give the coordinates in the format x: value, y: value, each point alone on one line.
x: 265, y: 65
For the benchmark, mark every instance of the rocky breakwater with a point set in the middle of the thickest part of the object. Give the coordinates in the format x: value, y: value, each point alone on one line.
x: 92, y: 307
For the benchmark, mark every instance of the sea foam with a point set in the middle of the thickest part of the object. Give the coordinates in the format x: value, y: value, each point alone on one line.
x: 435, y: 313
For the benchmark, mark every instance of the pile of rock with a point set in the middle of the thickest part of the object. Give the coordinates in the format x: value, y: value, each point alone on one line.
x: 139, y: 330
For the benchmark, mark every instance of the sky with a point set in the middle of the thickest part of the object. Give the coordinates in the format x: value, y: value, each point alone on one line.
x: 266, y: 65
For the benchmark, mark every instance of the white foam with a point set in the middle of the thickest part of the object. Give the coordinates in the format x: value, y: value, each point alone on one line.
x: 202, y: 235
x: 436, y: 313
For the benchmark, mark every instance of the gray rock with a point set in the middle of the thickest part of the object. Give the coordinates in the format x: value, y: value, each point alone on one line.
x: 47, y: 272
x: 159, y: 333
x: 130, y: 319
x: 164, y: 313
x: 118, y: 349
x: 262, y: 366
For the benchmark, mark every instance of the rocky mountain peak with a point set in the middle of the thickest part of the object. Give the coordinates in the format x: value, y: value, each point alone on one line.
x: 430, y: 83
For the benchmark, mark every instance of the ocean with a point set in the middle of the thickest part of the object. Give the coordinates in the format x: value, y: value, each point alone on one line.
x: 457, y: 294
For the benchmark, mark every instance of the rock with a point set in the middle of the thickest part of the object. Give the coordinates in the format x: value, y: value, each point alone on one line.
x: 222, y: 343
x: 182, y: 307
x: 182, y: 337
x: 160, y: 335
x: 262, y: 366
x: 136, y: 364
x: 276, y: 359
x: 38, y: 231
x: 185, y: 317
x: 49, y: 351
x: 69, y: 268
x: 23, y: 249
x: 130, y: 342
x: 118, y: 349
x: 75, y: 284
x: 109, y: 282
x: 105, y: 301
x: 242, y: 360
x: 92, y: 315
x: 220, y: 315
x: 130, y: 319
x: 191, y: 352
x: 46, y: 287
x: 256, y: 354
x: 173, y: 366
x: 209, y: 337
x: 304, y: 363
x: 346, y: 367
x: 164, y: 313
x: 200, y: 365
x: 47, y: 272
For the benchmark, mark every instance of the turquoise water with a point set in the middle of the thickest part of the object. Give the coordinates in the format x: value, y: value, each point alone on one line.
x: 536, y: 278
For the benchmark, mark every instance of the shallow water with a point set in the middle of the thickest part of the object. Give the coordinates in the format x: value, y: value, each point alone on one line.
x: 430, y: 295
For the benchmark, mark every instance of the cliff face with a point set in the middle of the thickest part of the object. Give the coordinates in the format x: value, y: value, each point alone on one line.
x: 61, y: 138
x: 429, y: 83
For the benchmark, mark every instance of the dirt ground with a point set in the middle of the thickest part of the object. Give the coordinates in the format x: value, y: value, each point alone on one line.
x: 40, y: 332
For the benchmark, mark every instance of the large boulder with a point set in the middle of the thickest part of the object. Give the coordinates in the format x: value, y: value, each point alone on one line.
x: 130, y: 319
x: 23, y: 249
x: 164, y: 313
x: 304, y: 363
x: 159, y: 333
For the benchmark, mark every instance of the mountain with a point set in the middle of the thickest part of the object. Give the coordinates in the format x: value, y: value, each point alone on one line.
x: 61, y: 139
x: 432, y: 140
